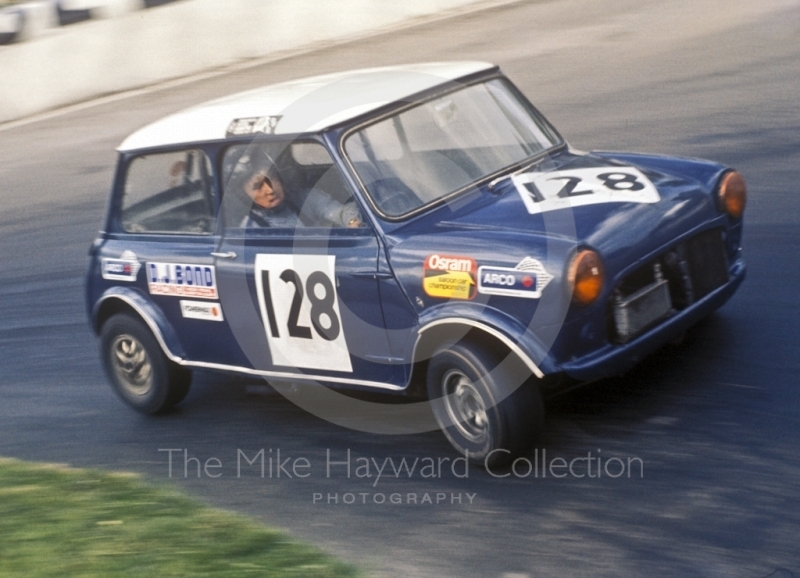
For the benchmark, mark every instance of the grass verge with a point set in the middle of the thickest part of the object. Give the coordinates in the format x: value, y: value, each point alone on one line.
x: 60, y: 521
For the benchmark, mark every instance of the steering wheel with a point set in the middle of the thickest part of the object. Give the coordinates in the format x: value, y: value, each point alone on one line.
x: 393, y: 196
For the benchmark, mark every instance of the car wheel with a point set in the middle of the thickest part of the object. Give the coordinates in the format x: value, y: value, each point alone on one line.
x: 138, y: 369
x: 488, y: 406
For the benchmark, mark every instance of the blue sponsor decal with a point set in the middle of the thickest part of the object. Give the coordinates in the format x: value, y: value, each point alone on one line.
x: 527, y: 279
x: 504, y: 278
x: 119, y: 269
x: 182, y: 280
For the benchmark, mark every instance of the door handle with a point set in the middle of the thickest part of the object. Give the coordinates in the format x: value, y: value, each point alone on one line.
x: 228, y: 255
x: 372, y: 274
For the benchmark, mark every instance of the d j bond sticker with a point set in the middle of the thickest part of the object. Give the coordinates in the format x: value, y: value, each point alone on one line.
x: 182, y: 280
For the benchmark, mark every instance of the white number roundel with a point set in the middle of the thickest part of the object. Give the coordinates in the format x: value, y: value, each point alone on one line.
x: 300, y: 310
x: 572, y: 188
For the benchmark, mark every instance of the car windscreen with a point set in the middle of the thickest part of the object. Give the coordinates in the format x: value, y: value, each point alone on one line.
x: 443, y: 145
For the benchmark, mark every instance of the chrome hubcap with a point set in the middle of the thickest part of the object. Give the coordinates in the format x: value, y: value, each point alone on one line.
x: 132, y: 364
x: 465, y: 406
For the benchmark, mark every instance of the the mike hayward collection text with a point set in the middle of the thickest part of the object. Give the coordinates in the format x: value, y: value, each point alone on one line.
x: 275, y: 463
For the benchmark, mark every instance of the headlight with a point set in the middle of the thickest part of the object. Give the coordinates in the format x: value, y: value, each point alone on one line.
x: 586, y: 277
x: 732, y: 194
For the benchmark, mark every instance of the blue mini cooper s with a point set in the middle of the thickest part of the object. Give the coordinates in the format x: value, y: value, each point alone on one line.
x: 418, y: 230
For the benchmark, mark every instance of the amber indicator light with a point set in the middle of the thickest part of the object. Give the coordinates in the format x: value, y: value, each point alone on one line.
x: 586, y: 275
x: 733, y: 194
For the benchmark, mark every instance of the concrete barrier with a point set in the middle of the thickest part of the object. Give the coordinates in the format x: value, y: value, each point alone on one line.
x: 76, y: 63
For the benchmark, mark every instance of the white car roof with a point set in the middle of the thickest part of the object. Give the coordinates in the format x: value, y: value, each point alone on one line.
x: 304, y: 105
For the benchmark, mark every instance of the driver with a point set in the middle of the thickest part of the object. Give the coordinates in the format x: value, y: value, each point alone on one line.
x: 271, y: 208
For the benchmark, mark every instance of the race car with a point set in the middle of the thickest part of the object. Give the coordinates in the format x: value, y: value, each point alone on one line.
x: 419, y: 230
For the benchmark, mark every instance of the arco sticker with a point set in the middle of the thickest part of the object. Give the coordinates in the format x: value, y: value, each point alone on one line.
x: 577, y: 187
x: 300, y: 309
x: 528, y: 279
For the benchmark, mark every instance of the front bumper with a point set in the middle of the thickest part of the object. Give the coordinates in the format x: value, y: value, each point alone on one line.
x: 614, y: 359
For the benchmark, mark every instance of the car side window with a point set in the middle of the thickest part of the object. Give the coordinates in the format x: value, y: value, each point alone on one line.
x: 169, y: 192
x: 286, y: 185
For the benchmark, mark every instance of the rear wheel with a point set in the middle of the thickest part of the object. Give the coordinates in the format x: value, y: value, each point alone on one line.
x: 139, y: 371
x: 487, y: 404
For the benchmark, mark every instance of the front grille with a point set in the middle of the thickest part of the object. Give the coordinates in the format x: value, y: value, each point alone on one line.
x: 708, y: 266
x: 673, y: 281
x: 635, y: 313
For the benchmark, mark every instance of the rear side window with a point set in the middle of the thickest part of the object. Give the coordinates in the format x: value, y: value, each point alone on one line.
x: 169, y: 193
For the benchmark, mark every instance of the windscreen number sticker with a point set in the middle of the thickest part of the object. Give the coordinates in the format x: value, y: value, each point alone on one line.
x: 300, y: 309
x: 573, y: 188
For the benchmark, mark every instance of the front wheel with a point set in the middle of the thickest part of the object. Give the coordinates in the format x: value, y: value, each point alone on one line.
x: 488, y: 406
x: 139, y: 371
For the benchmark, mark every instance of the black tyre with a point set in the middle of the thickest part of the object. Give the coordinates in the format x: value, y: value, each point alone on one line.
x: 487, y: 404
x: 138, y: 369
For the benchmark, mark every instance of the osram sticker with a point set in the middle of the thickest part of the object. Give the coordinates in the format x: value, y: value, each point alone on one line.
x: 449, y: 277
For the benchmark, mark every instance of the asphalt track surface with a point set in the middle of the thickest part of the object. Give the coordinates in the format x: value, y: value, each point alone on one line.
x: 714, y: 420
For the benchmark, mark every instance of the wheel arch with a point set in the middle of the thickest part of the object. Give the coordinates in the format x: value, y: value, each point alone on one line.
x: 125, y: 300
x: 447, y: 330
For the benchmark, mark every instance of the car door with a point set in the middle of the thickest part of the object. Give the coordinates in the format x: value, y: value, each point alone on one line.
x: 160, y: 242
x: 302, y: 299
